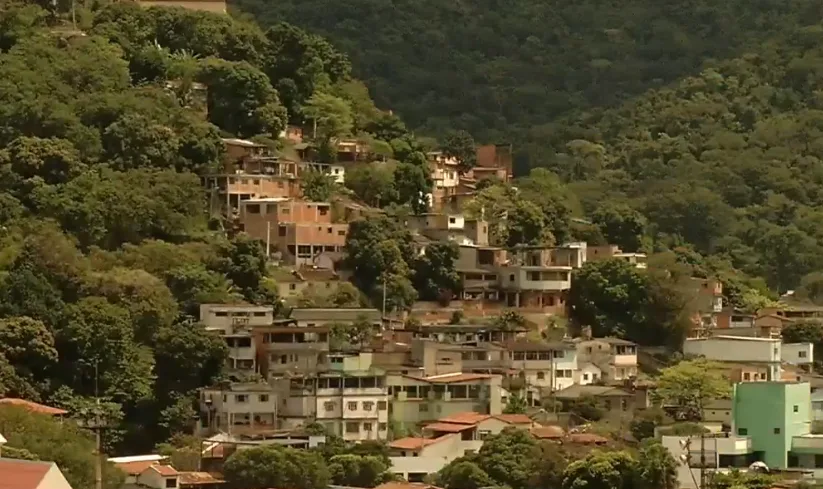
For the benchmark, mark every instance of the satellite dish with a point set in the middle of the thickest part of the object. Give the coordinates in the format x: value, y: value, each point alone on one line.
x: 759, y: 467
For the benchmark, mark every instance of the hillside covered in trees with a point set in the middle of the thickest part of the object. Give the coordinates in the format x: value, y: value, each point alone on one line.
x: 106, y: 246
x: 701, y: 121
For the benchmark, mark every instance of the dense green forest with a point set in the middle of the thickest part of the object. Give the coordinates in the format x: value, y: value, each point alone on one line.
x: 106, y: 246
x: 702, y: 119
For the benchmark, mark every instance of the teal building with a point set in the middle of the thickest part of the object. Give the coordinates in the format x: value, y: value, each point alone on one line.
x: 776, y: 416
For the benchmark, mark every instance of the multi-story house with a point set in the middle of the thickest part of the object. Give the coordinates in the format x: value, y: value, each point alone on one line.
x: 235, y: 322
x: 299, y: 230
x: 607, y: 252
x: 533, y: 279
x: 306, y: 280
x: 238, y: 408
x: 708, y: 293
x: 445, y: 177
x: 776, y: 418
x: 493, y: 161
x: 613, y: 359
x: 739, y: 349
x: 542, y: 367
x: 420, y: 398
x: 450, y: 227
x: 477, y: 265
x: 446, y: 439
x: 250, y: 170
x: 536, y: 278
x: 287, y: 350
x: 350, y: 398
x: 796, y: 312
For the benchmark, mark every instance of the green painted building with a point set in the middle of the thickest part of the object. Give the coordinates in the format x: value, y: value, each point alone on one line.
x: 772, y: 414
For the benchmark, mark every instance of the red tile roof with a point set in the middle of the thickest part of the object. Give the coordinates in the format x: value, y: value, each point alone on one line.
x: 135, y: 468
x: 514, y: 418
x: 164, y: 470
x: 448, y: 427
x: 22, y: 474
x: 469, y: 418
x: 32, y: 406
x: 548, y: 432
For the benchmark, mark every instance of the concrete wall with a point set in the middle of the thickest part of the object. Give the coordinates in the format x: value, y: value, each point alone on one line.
x: 54, y: 479
x: 734, y: 350
x: 797, y: 353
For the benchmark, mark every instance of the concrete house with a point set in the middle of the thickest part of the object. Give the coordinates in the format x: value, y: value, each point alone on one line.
x: 245, y: 408
x: 350, y: 398
x: 446, y: 439
x: 616, y: 359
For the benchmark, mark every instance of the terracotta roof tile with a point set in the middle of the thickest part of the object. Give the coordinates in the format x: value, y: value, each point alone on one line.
x: 22, y: 474
x: 548, y: 432
x: 135, y: 468
x: 448, y: 427
x: 165, y: 470
x: 514, y: 418
x: 469, y: 418
x: 32, y: 406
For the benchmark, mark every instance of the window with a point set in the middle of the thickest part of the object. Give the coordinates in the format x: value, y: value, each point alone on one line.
x: 281, y: 231
x: 746, y: 376
x: 256, y: 181
x: 742, y: 431
x: 452, y: 220
x: 511, y: 278
x: 382, y: 405
x: 341, y: 233
x: 367, y: 427
x: 352, y: 406
x: 795, y: 408
x: 541, y: 376
x: 585, y: 376
x: 292, y: 286
x: 253, y: 208
x: 368, y: 406
x: 241, y: 398
x: 423, y: 408
x: 171, y: 482
x: 264, y: 398
x: 382, y: 427
x: 323, y: 211
x: 352, y: 427
x: 329, y: 406
x: 818, y: 461
x: 280, y: 185
x: 777, y: 431
x: 801, y: 354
